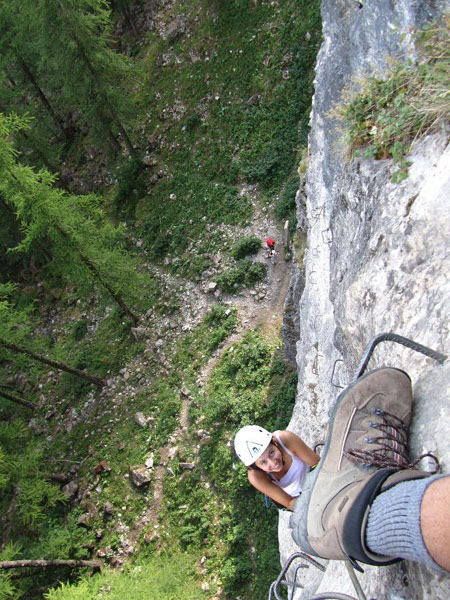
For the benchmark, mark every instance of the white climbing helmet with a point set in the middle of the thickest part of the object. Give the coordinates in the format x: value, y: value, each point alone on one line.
x: 250, y: 442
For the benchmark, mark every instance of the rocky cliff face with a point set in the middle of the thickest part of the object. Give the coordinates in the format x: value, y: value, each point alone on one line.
x: 376, y: 261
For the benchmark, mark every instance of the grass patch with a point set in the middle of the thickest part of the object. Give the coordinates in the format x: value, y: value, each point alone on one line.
x: 157, y: 578
x: 226, y: 104
x: 411, y: 101
x: 214, y: 505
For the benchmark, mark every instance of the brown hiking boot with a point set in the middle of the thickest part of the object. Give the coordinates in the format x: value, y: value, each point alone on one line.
x: 369, y: 424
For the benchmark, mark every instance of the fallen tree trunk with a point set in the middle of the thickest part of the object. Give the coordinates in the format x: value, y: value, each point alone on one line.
x: 17, y: 400
x: 14, y: 564
x: 53, y: 363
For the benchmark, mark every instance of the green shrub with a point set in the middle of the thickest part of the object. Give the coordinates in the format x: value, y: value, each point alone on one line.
x: 220, y: 322
x: 79, y: 329
x: 286, y: 207
x: 130, y: 186
x: 192, y: 121
x: 245, y: 274
x: 261, y: 167
x: 286, y: 204
x: 245, y: 246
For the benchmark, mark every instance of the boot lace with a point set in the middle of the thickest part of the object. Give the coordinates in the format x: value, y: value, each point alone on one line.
x: 391, y: 445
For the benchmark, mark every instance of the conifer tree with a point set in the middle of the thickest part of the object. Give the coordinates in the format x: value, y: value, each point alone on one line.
x: 23, y: 90
x: 85, y: 246
x: 76, y: 54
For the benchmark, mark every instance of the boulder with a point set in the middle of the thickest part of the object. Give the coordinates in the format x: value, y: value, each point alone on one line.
x: 140, y: 476
x: 70, y: 490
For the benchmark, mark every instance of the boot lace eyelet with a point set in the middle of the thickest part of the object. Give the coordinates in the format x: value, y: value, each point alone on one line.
x: 391, y: 446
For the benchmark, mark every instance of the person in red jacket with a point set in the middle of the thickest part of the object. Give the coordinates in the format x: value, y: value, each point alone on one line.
x: 270, y: 247
x: 270, y: 243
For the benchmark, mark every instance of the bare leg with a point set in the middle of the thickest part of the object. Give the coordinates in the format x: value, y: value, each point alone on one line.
x: 435, y: 521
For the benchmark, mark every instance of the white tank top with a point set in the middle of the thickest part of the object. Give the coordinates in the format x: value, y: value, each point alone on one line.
x: 291, y: 482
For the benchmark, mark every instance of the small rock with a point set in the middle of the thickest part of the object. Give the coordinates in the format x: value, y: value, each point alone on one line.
x: 84, y: 519
x: 140, y: 476
x: 34, y: 425
x: 185, y: 392
x: 172, y: 452
x: 70, y: 490
x: 149, y: 161
x: 105, y: 552
x: 187, y: 466
x: 108, y: 508
x: 138, y: 332
x: 140, y: 419
x: 176, y: 28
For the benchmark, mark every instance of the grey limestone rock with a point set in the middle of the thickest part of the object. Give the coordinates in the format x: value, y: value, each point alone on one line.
x: 291, y: 317
x: 70, y: 490
x: 140, y: 476
x: 141, y: 419
x: 376, y: 260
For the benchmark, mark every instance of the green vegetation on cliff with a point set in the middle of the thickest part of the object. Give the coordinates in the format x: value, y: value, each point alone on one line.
x: 410, y: 100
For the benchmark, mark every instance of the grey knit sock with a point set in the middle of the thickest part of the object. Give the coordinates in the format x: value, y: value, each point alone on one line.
x: 393, y: 527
